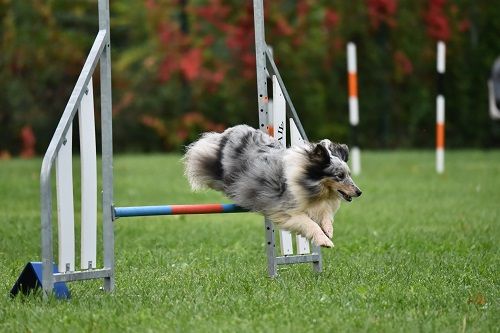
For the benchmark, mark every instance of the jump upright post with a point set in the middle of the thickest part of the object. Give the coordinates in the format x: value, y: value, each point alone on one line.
x: 59, y: 153
x: 265, y: 65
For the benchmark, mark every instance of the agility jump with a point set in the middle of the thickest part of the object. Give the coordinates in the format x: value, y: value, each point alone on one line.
x: 59, y: 153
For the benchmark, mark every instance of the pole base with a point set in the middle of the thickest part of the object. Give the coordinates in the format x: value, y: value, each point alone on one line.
x: 31, y: 279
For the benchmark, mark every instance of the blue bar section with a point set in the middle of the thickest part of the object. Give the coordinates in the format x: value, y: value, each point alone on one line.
x: 142, y: 211
x: 233, y: 208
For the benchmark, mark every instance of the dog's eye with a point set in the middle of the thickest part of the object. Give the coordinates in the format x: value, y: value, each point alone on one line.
x: 341, y: 176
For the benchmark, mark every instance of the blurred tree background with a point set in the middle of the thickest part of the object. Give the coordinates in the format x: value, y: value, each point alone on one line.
x: 181, y: 67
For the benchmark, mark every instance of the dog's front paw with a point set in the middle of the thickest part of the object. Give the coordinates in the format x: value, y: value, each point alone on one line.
x: 322, y: 240
x: 327, y: 229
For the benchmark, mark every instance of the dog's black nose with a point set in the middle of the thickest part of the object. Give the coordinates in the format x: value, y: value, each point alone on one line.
x: 358, y: 192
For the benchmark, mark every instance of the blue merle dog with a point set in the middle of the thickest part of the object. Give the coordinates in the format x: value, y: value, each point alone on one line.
x: 299, y: 188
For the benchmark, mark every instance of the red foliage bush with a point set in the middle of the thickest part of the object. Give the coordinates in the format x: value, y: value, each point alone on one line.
x: 382, y: 12
x: 437, y: 23
x: 28, y: 141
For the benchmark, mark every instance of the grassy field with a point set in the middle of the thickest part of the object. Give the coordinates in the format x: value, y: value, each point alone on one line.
x: 417, y: 252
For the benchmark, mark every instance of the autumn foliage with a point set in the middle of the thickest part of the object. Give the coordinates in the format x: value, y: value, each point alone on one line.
x: 183, y: 67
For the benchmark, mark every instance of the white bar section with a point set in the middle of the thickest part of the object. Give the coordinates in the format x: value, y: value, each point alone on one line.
x: 494, y: 112
x: 270, y: 48
x: 440, y: 109
x: 86, y: 123
x: 352, y: 66
x: 302, y: 245
x: 440, y: 160
x: 286, y: 242
x: 65, y: 209
x: 441, y: 57
x: 355, y: 161
x: 296, y: 139
x: 279, y: 113
x: 279, y: 125
x: 353, y: 111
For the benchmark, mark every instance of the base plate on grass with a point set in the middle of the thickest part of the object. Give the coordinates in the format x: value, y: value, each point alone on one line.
x: 31, y: 279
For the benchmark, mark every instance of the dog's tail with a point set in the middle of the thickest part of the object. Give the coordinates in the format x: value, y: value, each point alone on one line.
x: 202, y: 162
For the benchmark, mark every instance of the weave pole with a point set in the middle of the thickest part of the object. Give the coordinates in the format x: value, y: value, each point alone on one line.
x: 494, y: 90
x: 440, y: 106
x: 352, y: 78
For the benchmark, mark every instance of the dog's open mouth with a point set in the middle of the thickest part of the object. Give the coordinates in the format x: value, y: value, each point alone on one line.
x: 345, y: 196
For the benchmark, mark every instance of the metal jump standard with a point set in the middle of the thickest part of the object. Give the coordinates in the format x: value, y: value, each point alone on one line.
x: 59, y: 153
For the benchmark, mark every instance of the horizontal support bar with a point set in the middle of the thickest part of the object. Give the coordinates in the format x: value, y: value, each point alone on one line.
x: 298, y: 259
x: 82, y: 275
x: 177, y: 210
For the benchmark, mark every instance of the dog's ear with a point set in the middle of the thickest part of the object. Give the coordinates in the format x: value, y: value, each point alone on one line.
x: 342, y: 151
x: 320, y: 153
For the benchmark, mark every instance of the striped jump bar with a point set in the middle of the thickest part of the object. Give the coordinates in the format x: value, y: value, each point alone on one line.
x: 177, y: 210
x: 440, y: 106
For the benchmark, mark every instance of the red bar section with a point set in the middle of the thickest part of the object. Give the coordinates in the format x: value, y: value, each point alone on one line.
x: 197, y: 209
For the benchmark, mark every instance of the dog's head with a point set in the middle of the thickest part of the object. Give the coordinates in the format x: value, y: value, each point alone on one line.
x: 329, y: 171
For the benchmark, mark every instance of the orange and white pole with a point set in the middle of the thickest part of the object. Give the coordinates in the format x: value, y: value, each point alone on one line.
x: 440, y: 106
x: 352, y: 78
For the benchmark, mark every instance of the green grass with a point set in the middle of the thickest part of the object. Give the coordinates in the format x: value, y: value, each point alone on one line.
x: 417, y: 252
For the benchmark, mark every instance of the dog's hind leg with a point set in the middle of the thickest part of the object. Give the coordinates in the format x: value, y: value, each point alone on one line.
x: 303, y: 225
